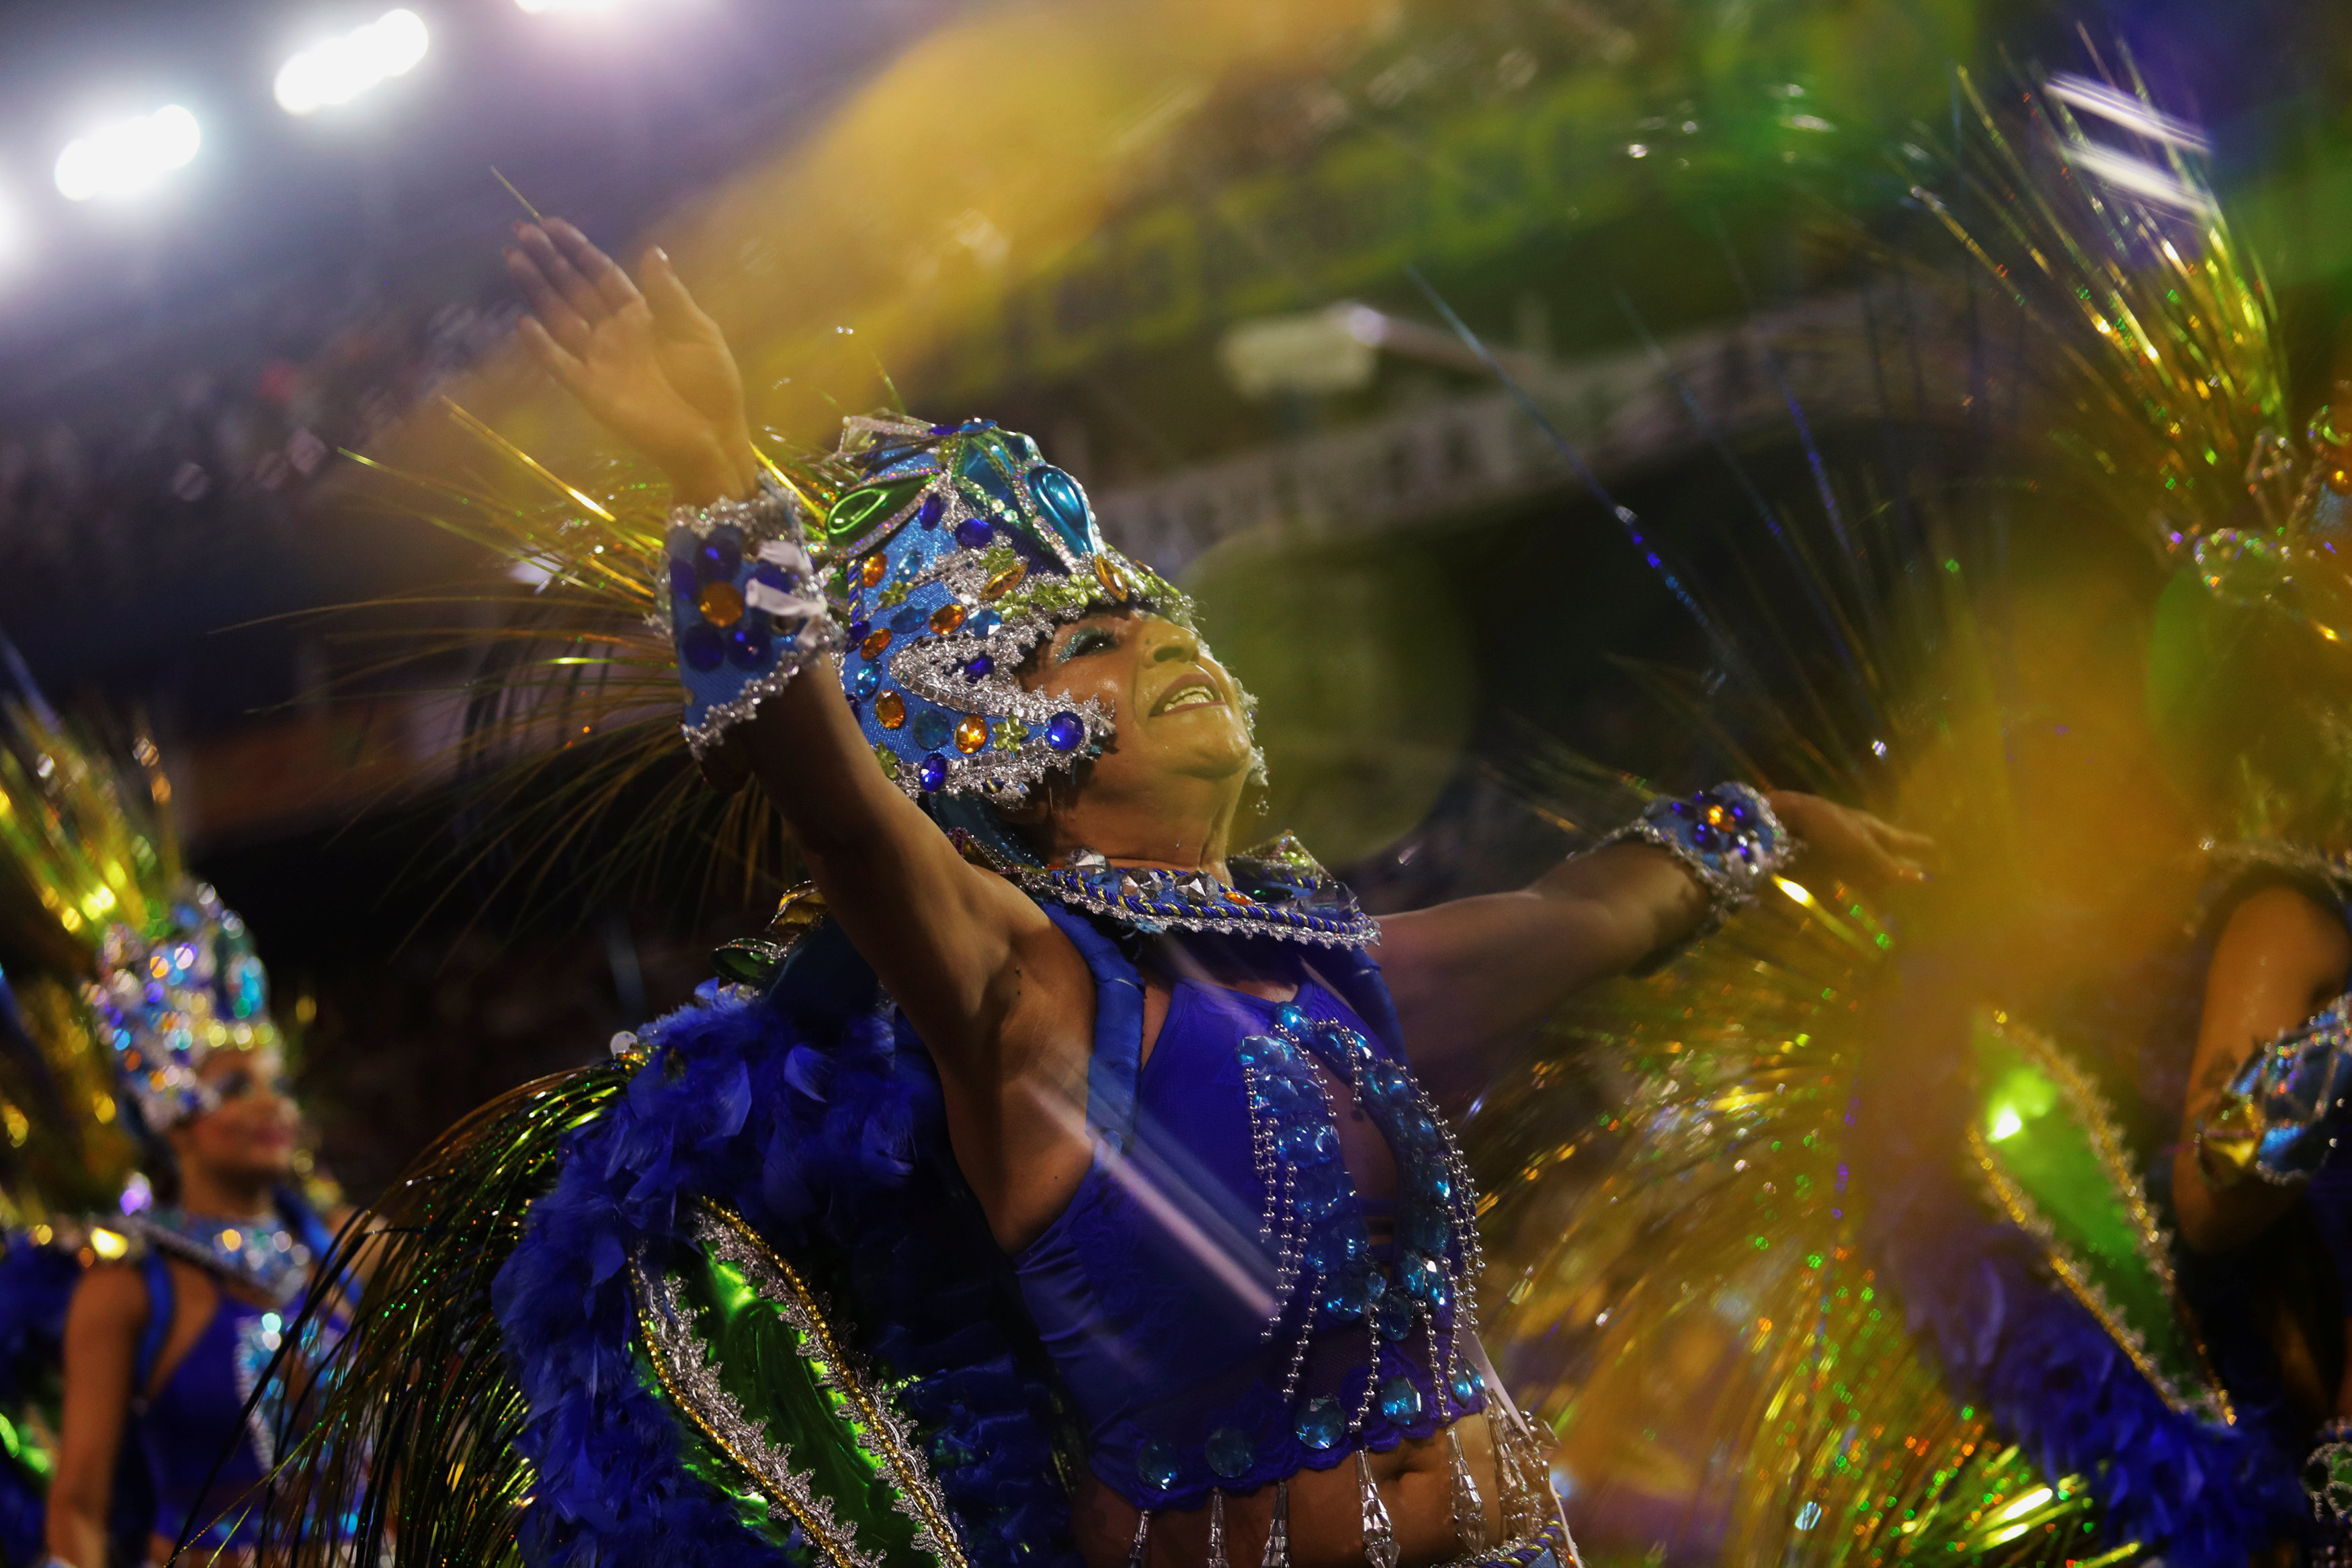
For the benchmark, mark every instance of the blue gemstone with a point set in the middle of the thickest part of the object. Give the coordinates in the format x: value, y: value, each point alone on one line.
x: 720, y: 557
x: 1396, y: 1319
x: 858, y: 630
x: 930, y: 729
x: 701, y: 647
x: 769, y: 573
x: 1291, y: 1018
x: 1064, y: 504
x: 933, y: 773
x: 1422, y: 1277
x: 1251, y: 1051
x: 866, y: 682
x: 1319, y: 1191
x: 1231, y: 1452
x: 974, y: 533
x: 927, y: 516
x: 978, y: 669
x: 1320, y: 1424
x: 983, y: 622
x: 1466, y: 1386
x: 1338, y: 1247
x: 747, y: 645
x: 1400, y: 1400
x: 683, y: 579
x: 1388, y: 1081
x: 1156, y: 1463
x: 1425, y: 1229
x: 1066, y: 732
x: 1305, y: 1143
x: 907, y: 621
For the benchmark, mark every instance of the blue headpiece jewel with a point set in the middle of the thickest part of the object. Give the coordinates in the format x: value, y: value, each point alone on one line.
x: 958, y: 553
x: 167, y: 1000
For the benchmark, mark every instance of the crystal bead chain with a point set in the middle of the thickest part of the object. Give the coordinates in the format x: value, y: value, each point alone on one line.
x: 1262, y: 1157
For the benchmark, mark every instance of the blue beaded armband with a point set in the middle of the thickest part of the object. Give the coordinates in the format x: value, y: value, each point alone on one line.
x: 1727, y: 837
x: 2280, y: 1117
x: 743, y: 608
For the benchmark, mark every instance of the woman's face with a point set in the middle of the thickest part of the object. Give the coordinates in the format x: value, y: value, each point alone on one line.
x: 250, y: 1134
x: 1179, y: 712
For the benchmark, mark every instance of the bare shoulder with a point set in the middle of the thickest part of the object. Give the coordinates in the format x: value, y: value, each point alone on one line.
x: 112, y: 1298
x: 2289, y: 928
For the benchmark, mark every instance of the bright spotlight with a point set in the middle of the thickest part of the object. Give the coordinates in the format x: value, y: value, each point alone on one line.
x: 127, y: 158
x: 340, y: 70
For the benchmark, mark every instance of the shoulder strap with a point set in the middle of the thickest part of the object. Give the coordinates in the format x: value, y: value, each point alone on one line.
x: 162, y: 1303
x: 1118, y: 1028
x: 1355, y: 974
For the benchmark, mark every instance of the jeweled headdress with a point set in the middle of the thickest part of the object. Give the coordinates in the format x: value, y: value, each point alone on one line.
x: 168, y: 973
x: 958, y: 554
x: 167, y: 998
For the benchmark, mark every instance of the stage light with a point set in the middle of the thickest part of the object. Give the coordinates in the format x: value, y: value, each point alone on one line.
x: 129, y: 157
x: 340, y: 70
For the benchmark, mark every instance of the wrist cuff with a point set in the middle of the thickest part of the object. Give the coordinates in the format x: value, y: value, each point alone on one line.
x: 743, y: 608
x: 2279, y: 1120
x: 1727, y: 838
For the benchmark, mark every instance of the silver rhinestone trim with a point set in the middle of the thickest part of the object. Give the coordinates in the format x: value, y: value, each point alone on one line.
x: 688, y: 1370
x: 1727, y: 891
x: 818, y: 637
x: 881, y: 1431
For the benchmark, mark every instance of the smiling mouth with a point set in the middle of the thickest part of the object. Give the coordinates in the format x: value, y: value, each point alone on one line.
x: 1197, y: 692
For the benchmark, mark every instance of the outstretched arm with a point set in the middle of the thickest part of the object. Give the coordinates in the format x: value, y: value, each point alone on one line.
x: 997, y: 992
x: 1471, y: 974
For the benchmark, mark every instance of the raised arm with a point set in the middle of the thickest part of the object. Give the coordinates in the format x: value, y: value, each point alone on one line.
x: 1470, y: 974
x: 997, y: 992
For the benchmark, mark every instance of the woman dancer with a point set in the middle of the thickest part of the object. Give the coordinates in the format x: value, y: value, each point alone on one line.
x: 194, y: 1290
x: 1171, y: 1076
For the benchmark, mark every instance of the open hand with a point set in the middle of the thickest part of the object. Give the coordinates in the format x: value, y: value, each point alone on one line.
x: 1852, y: 844
x: 649, y: 366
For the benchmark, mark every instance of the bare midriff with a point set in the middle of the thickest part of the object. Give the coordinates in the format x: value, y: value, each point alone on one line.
x: 1326, y: 1514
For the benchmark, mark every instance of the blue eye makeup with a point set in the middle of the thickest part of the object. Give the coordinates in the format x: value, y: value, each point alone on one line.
x: 1084, y: 641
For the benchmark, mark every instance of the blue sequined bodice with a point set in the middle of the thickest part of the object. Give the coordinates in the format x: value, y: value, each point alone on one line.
x: 1214, y: 1296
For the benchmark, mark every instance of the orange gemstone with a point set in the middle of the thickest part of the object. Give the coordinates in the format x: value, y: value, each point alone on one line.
x: 871, y: 572
x: 720, y: 603
x: 947, y: 617
x: 2339, y: 480
x: 891, y: 710
x: 972, y: 733
x: 875, y: 641
x: 1113, y: 584
x: 1004, y: 581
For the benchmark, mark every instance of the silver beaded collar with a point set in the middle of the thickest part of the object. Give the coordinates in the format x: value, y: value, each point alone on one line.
x: 264, y: 1255
x: 1278, y: 890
